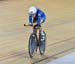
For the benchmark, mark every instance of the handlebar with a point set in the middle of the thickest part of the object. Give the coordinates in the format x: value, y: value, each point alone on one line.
x: 30, y: 24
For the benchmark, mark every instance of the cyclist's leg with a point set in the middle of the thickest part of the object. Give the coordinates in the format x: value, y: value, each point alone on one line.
x: 42, y: 34
x: 41, y: 30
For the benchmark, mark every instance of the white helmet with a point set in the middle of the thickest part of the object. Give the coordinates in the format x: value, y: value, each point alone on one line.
x: 32, y: 10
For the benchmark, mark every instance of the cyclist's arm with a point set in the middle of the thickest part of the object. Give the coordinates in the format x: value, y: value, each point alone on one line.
x: 30, y: 20
x: 43, y: 18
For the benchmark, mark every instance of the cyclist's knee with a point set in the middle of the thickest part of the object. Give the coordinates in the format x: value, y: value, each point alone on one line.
x: 37, y: 26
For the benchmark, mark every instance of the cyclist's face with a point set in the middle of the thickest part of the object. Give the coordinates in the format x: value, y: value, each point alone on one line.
x: 33, y: 15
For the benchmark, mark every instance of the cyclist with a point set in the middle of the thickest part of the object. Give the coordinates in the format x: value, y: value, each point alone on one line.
x: 37, y: 16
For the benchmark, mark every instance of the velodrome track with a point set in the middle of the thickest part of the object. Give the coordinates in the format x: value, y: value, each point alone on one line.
x: 59, y: 27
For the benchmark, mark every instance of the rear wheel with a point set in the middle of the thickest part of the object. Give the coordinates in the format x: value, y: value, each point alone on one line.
x: 42, y: 38
x: 32, y: 44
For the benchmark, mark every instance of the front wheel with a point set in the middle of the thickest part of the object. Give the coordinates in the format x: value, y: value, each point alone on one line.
x: 42, y: 39
x: 32, y: 44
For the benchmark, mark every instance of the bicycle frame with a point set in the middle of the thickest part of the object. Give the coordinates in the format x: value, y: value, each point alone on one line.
x: 37, y: 34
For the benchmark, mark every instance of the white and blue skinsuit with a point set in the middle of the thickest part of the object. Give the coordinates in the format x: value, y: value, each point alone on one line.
x: 40, y: 15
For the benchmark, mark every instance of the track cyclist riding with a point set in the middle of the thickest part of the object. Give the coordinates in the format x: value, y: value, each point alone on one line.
x: 36, y: 18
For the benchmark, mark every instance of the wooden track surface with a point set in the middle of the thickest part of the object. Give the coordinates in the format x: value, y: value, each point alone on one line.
x: 59, y: 27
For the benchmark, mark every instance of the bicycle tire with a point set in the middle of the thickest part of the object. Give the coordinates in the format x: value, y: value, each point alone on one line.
x: 42, y: 45
x: 32, y: 45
